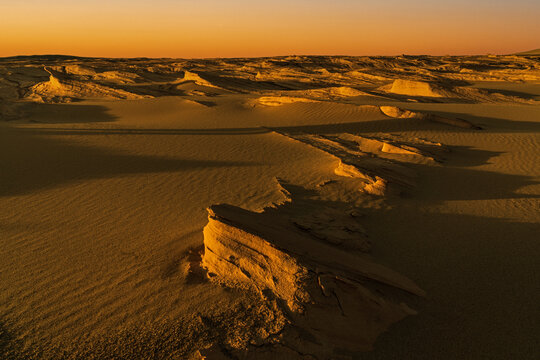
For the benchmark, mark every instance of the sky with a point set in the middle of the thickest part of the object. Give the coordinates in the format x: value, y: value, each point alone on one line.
x: 242, y: 28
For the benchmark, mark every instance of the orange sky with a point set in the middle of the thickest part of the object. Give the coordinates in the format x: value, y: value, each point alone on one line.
x: 228, y: 28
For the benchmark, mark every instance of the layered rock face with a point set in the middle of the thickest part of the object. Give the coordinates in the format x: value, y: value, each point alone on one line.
x: 242, y: 258
x: 60, y: 88
x: 332, y: 297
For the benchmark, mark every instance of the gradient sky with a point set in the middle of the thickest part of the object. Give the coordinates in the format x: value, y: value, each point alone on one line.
x: 234, y: 28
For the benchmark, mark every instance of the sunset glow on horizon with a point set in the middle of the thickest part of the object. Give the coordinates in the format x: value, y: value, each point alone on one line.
x: 240, y: 28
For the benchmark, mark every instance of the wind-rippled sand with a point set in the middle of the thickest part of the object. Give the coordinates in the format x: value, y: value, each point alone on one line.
x: 289, y: 207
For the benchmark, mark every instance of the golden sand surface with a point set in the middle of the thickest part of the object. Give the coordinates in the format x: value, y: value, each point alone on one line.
x: 301, y: 207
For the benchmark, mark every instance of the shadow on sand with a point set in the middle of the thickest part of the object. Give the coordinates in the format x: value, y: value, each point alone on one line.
x: 30, y: 162
x: 490, y: 125
x: 72, y: 113
x: 480, y: 272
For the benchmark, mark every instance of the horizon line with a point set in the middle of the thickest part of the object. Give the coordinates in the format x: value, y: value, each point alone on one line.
x: 258, y: 57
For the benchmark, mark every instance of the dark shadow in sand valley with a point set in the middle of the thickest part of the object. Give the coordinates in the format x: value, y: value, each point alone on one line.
x: 72, y: 113
x: 31, y: 162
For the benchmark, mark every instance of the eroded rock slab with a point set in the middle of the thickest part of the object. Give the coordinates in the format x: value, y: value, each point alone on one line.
x: 396, y: 112
x: 357, y: 158
x: 334, y: 299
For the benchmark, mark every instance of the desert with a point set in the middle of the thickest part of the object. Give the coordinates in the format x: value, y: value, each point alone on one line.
x: 286, y: 207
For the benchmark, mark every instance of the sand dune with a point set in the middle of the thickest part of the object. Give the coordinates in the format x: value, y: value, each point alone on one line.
x: 534, y: 52
x: 336, y: 92
x: 280, y: 100
x: 122, y: 77
x: 292, y: 207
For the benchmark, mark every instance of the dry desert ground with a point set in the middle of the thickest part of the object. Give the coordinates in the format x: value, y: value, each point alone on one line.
x: 301, y: 207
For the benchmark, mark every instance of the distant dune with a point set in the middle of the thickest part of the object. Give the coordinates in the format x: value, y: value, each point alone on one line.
x: 530, y: 52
